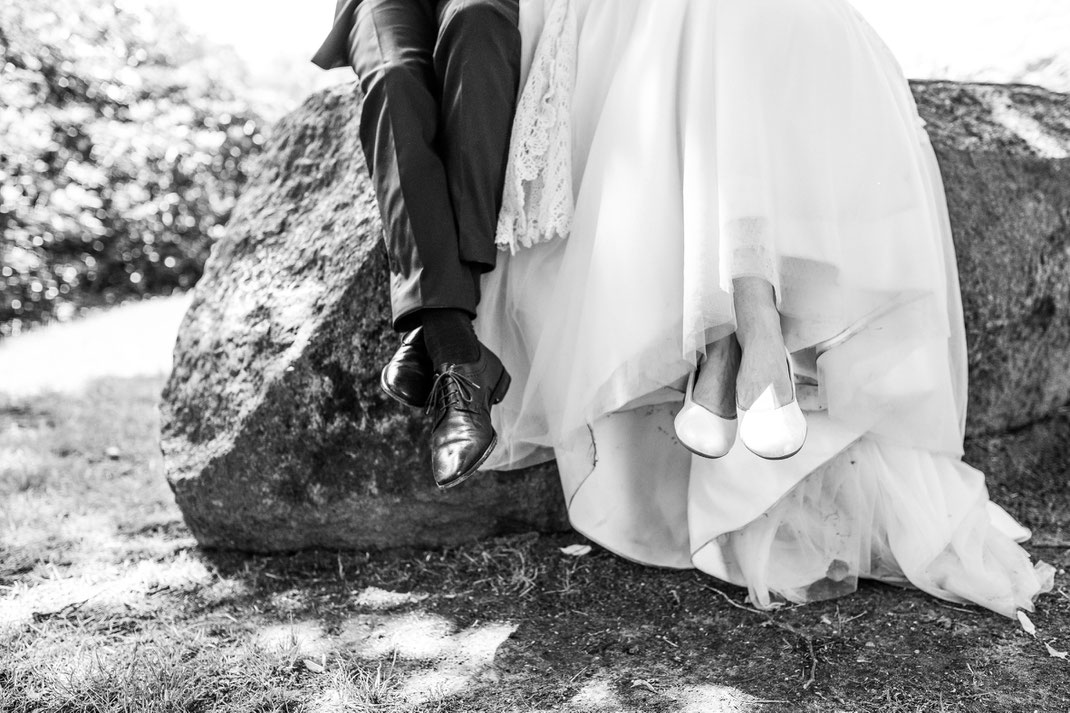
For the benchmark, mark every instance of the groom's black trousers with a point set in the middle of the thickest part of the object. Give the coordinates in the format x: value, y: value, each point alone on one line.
x: 440, y: 79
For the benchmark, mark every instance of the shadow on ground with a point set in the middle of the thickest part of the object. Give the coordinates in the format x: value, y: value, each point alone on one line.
x: 107, y: 604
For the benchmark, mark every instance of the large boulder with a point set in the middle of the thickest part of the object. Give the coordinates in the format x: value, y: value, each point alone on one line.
x: 1004, y: 153
x: 276, y: 436
x: 275, y: 433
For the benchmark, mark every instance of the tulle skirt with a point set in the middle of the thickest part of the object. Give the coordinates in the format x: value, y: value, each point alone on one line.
x: 714, y: 139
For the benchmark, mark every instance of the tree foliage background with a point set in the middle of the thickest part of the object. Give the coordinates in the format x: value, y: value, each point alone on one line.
x: 122, y: 150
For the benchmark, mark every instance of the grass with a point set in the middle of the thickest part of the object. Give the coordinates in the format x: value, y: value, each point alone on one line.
x: 108, y: 605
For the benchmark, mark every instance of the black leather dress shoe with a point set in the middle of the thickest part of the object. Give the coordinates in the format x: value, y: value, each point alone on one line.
x: 462, y: 437
x: 409, y: 374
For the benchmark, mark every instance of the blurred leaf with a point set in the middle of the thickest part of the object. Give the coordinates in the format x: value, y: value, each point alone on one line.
x: 1027, y: 624
x: 576, y: 550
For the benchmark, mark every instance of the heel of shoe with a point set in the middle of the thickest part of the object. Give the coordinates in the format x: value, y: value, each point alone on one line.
x: 501, y: 388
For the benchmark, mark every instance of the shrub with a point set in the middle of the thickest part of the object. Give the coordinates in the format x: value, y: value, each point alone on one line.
x: 122, y: 149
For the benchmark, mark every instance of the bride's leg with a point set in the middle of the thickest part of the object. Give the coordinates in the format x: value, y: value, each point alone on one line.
x: 762, y: 366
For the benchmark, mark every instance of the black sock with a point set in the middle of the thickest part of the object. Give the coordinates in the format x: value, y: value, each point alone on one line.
x: 449, y: 336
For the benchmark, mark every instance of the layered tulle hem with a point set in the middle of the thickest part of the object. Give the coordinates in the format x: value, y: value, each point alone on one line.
x: 885, y: 512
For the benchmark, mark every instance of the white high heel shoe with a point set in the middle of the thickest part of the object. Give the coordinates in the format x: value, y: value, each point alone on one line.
x: 701, y: 431
x: 770, y: 431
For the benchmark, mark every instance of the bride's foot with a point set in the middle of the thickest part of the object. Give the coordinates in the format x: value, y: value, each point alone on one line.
x: 706, y: 423
x: 770, y: 430
x: 771, y: 423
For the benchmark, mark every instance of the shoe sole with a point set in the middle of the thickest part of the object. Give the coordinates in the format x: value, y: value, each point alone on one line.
x: 700, y: 454
x: 394, y: 395
x: 500, y: 389
x: 784, y: 457
x: 471, y: 471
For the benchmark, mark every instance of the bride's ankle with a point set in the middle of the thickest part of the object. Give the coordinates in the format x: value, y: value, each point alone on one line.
x: 760, y: 329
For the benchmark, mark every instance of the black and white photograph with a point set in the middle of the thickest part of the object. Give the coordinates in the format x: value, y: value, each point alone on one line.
x: 534, y: 356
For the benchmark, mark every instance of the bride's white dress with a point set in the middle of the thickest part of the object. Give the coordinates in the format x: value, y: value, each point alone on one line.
x: 663, y: 147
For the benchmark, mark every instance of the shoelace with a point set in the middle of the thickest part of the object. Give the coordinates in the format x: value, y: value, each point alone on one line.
x: 461, y: 393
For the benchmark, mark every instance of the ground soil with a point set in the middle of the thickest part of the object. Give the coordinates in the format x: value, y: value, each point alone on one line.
x: 107, y: 604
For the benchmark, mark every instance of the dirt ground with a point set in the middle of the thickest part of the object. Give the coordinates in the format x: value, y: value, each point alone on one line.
x: 107, y: 604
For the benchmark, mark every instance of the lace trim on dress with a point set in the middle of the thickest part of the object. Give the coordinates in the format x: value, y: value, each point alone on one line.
x: 537, y: 200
